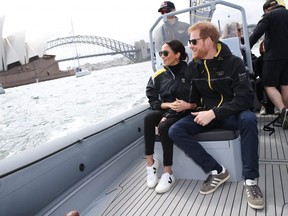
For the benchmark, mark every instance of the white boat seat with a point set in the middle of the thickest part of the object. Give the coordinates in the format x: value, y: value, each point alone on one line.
x: 223, y: 145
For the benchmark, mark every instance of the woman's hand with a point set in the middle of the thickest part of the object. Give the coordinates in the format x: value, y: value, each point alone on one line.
x: 181, y: 105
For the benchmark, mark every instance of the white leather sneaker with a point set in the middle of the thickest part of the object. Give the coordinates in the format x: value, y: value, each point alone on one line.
x: 152, y: 174
x: 165, y: 183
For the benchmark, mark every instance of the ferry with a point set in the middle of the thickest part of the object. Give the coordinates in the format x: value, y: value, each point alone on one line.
x: 101, y: 170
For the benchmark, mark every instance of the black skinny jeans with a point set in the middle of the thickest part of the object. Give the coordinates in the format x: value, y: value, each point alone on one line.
x: 152, y: 120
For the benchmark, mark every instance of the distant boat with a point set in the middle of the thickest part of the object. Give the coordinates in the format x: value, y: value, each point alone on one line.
x: 81, y: 72
x: 2, y: 91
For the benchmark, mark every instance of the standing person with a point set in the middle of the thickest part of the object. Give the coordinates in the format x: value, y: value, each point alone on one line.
x: 172, y: 28
x: 168, y: 94
x: 267, y: 107
x: 274, y: 24
x: 220, y: 83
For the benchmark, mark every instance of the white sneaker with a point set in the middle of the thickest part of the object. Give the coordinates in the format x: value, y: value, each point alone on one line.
x: 152, y: 174
x: 263, y: 110
x: 276, y: 111
x: 165, y: 183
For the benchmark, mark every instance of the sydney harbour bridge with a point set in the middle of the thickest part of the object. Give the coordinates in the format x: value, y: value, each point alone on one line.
x: 86, y: 46
x: 29, y: 66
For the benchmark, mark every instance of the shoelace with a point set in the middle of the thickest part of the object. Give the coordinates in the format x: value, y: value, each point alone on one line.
x: 274, y: 123
x: 256, y: 191
x: 208, y: 179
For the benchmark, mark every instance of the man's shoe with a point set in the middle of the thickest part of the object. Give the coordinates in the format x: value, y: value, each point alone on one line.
x: 283, y: 118
x: 214, y: 180
x: 152, y: 174
x: 254, y: 196
x: 165, y: 183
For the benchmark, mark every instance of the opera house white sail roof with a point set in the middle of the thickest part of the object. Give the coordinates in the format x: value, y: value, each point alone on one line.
x: 15, y: 48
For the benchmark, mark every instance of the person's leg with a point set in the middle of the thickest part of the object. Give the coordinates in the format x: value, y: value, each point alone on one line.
x: 279, y: 78
x: 182, y: 134
x: 246, y: 121
x: 167, y: 143
x: 270, y: 82
x: 167, y: 179
x: 284, y: 83
x: 260, y: 94
x: 150, y: 121
x: 259, y: 89
x: 275, y: 97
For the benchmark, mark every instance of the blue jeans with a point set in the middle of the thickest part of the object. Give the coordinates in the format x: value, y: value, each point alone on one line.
x: 182, y: 133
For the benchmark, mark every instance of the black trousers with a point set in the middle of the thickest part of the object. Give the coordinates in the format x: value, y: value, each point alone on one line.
x: 152, y: 120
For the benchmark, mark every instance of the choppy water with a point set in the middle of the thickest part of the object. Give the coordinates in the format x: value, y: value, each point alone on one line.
x: 33, y: 114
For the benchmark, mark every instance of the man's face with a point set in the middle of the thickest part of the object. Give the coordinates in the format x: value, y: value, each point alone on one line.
x: 198, y: 45
x: 167, y: 10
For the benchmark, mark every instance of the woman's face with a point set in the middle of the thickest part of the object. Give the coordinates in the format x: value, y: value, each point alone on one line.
x: 169, y: 58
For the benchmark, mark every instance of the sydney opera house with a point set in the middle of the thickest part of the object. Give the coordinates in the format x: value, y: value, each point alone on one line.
x: 24, y: 62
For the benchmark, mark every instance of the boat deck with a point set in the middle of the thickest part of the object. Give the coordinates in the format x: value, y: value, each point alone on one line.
x: 132, y: 197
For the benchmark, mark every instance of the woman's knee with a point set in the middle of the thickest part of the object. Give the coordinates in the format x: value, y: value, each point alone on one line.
x: 163, y: 128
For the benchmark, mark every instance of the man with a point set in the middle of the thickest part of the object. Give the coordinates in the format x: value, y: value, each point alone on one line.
x: 220, y: 84
x: 171, y: 29
x: 274, y: 24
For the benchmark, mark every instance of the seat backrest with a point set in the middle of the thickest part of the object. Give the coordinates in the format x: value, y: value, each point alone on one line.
x: 234, y: 45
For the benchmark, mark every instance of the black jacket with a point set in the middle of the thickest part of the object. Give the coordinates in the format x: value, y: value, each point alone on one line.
x: 221, y: 83
x: 166, y: 85
x: 275, y: 26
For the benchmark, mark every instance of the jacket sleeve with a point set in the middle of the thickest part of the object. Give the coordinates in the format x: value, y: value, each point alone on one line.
x: 153, y: 95
x: 259, y: 30
x: 243, y: 94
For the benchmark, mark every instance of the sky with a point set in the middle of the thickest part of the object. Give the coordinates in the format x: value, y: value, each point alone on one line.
x: 126, y: 20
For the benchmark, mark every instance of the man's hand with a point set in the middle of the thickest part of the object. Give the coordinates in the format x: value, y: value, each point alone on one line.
x: 204, y: 117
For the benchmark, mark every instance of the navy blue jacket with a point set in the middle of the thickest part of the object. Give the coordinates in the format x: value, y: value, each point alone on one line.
x: 221, y: 83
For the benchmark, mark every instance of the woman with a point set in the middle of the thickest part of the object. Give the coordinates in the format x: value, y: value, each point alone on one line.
x: 168, y: 95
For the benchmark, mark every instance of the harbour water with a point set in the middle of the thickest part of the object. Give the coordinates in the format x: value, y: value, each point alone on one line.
x: 34, y: 114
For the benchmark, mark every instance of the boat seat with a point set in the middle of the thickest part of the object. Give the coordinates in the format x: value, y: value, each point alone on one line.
x: 223, y: 145
x: 234, y: 45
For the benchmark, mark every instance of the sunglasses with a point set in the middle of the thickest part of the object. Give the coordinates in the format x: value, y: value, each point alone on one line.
x: 194, y: 41
x: 165, y: 11
x: 164, y: 52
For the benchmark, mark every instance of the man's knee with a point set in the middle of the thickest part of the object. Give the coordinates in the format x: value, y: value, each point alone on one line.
x: 248, y: 117
x: 173, y: 131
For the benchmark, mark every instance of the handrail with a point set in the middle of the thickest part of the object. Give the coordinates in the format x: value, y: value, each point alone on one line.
x: 246, y: 44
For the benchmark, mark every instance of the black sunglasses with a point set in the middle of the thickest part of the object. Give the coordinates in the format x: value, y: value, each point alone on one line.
x: 165, y: 11
x: 194, y: 41
x: 164, y: 52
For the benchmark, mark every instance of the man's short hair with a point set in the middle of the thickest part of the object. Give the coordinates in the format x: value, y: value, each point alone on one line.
x: 206, y: 29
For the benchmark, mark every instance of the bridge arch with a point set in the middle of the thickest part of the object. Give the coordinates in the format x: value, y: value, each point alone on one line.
x: 116, y: 47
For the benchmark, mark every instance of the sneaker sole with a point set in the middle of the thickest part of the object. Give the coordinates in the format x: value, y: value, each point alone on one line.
x: 220, y: 183
x: 255, y: 206
x: 164, y: 191
x: 152, y: 186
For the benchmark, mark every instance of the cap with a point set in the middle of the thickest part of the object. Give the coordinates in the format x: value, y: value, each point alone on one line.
x: 269, y: 3
x: 166, y: 4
